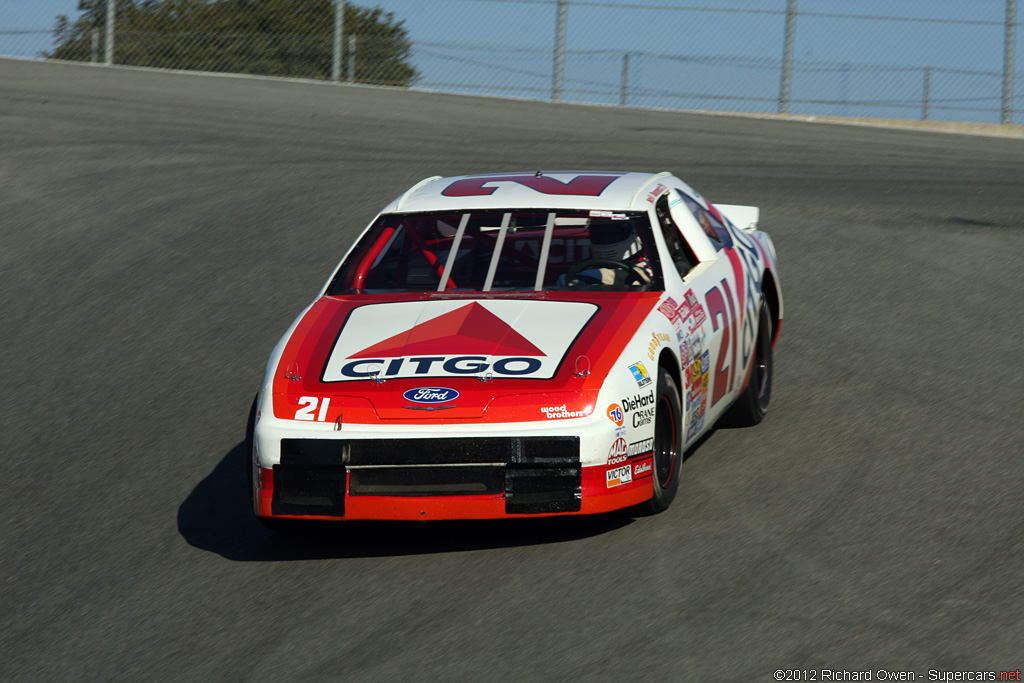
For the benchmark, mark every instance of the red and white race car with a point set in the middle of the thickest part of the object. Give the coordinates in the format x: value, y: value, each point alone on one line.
x: 518, y: 344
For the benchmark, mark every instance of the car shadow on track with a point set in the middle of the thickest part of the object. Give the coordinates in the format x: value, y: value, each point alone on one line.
x: 217, y: 517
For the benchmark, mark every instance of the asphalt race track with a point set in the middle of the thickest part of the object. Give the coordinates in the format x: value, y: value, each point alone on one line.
x: 159, y: 232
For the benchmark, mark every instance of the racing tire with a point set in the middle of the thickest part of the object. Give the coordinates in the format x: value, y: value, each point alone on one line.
x: 668, y: 445
x: 750, y: 407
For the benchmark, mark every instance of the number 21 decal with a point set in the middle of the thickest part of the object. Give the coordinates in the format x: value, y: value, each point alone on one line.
x: 310, y: 403
x: 721, y: 306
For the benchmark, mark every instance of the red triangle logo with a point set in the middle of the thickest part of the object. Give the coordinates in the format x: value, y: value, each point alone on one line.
x: 471, y: 329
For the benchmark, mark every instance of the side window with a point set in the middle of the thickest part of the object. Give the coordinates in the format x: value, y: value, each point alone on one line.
x: 679, y: 251
x: 710, y: 221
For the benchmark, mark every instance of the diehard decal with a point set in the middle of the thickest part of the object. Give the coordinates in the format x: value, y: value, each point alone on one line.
x: 638, y: 401
x: 421, y: 339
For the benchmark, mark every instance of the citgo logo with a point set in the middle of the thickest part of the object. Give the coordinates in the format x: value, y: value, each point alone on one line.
x: 615, y: 414
x: 421, y: 339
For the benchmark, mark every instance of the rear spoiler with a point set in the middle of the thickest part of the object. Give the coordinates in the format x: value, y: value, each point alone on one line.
x: 743, y: 217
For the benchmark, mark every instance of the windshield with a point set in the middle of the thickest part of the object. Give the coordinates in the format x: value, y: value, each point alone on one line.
x: 523, y: 250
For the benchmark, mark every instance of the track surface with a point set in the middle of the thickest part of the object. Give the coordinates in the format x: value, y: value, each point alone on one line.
x: 158, y: 232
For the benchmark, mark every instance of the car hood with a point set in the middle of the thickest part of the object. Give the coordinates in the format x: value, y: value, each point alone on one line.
x: 451, y: 359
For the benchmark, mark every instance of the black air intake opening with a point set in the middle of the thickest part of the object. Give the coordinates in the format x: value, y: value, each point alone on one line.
x: 534, y: 490
x: 308, y: 490
x: 427, y: 481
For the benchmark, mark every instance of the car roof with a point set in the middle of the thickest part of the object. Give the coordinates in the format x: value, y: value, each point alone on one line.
x: 595, y: 190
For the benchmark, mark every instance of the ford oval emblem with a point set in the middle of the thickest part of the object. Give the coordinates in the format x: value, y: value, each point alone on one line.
x: 431, y: 395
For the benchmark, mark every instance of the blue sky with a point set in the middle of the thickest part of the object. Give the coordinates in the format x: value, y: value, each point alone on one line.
x: 421, y: 16
x: 859, y: 58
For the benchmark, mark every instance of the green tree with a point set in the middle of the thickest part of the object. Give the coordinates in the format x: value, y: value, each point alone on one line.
x: 268, y: 37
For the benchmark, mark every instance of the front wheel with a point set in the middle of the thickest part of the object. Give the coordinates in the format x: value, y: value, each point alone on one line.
x: 667, y: 445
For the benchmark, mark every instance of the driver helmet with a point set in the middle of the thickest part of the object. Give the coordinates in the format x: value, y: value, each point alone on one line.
x: 612, y: 239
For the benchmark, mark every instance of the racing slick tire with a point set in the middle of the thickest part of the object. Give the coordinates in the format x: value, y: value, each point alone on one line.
x: 750, y: 407
x: 668, y: 445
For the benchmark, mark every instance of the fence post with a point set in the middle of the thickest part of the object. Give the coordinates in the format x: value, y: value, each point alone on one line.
x: 108, y: 56
x: 95, y: 54
x: 556, y: 86
x: 624, y: 93
x: 926, y: 104
x: 844, y: 88
x: 351, y: 71
x: 339, y: 25
x: 1011, y: 28
x: 787, y: 57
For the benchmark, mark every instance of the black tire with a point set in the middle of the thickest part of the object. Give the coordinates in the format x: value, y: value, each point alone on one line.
x: 668, y: 445
x: 750, y: 407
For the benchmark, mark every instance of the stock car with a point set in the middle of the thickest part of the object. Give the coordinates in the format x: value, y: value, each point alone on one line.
x: 516, y: 345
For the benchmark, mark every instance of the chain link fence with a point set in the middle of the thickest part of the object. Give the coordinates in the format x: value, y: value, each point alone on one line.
x: 935, y: 59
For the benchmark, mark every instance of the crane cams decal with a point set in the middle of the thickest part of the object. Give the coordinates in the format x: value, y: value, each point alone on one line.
x: 420, y: 339
x: 643, y: 416
x: 640, y: 409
